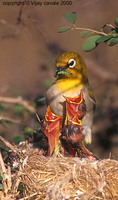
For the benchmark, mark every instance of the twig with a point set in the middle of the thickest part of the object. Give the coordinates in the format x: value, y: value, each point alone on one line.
x: 9, y: 182
x: 38, y: 118
x: 8, y: 185
x: 16, y: 181
x: 32, y: 195
x: 9, y: 145
x: 4, y: 175
x: 9, y: 120
x: 19, y: 18
x: 110, y: 25
x: 24, y: 103
x: 2, y: 164
x: 88, y: 29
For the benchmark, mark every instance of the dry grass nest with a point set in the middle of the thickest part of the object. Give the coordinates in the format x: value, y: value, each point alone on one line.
x: 61, y: 178
x: 70, y: 178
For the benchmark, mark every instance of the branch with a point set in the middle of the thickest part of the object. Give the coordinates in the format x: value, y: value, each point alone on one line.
x: 88, y: 29
x: 110, y: 25
x: 4, y: 175
x: 9, y: 145
x: 19, y: 19
x: 7, y: 119
x: 8, y: 184
x: 2, y: 164
x: 28, y: 197
x: 25, y: 104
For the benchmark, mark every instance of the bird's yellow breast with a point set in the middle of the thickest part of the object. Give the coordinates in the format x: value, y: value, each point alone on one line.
x: 68, y: 87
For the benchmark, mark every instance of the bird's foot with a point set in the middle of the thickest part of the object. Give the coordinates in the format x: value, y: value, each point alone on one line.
x: 87, y: 135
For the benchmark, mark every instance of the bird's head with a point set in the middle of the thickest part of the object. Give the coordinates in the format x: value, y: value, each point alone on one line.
x: 70, y: 65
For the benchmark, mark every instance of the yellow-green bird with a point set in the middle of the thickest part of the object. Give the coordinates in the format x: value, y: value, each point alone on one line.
x: 71, y: 78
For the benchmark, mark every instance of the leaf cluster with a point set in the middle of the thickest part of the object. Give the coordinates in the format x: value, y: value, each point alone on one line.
x: 95, y: 37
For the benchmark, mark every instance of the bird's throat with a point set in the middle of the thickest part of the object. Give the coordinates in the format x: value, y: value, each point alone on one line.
x: 68, y: 86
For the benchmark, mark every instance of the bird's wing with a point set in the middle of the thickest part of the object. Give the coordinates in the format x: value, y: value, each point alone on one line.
x: 93, y: 98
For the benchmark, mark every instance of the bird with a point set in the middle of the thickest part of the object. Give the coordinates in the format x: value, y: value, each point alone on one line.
x: 71, y: 78
x: 51, y: 126
x: 72, y: 134
x: 75, y: 106
x: 72, y: 130
x: 74, y: 140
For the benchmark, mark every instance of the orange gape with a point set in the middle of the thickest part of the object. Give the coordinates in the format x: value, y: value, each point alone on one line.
x: 72, y: 131
x: 71, y: 78
x: 75, y: 106
x: 51, y: 127
x: 73, y: 134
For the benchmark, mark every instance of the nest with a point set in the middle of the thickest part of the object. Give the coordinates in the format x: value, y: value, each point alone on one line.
x: 62, y: 178
x: 70, y: 178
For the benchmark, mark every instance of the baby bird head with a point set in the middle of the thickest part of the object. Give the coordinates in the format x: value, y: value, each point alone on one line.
x: 70, y: 65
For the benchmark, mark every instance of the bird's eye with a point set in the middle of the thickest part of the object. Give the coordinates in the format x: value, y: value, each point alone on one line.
x: 71, y: 63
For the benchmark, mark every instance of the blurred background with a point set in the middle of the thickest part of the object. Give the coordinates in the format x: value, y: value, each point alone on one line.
x: 29, y: 45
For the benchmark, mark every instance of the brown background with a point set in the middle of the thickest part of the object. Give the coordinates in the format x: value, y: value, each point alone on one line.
x: 28, y: 49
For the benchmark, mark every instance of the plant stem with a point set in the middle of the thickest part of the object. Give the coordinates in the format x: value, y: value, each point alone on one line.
x: 24, y: 103
x: 91, y: 30
x: 110, y: 25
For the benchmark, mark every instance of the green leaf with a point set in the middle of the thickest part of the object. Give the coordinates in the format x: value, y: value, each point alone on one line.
x: 3, y: 108
x: 1, y: 186
x: 3, y: 123
x: 103, y: 38
x: 28, y: 131
x: 114, y: 31
x: 1, y: 178
x: 114, y: 35
x: 4, y: 153
x: 112, y: 41
x: 90, y: 43
x: 71, y: 17
x: 64, y: 29
x: 20, y: 187
x: 18, y: 109
x: 85, y: 33
x: 18, y: 139
x: 116, y: 21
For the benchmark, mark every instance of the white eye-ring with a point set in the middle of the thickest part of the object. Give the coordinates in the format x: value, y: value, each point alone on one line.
x: 71, y: 63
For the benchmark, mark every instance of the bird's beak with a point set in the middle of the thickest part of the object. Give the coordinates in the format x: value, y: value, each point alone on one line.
x: 62, y: 70
x: 59, y: 70
x: 50, y: 127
